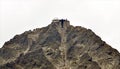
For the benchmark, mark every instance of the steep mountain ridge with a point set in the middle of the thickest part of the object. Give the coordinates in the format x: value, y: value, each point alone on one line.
x: 58, y: 46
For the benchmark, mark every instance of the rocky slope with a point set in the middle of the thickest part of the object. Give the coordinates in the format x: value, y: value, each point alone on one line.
x: 58, y: 46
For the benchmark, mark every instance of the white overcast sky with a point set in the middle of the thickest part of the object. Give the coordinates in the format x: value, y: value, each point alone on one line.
x: 102, y: 16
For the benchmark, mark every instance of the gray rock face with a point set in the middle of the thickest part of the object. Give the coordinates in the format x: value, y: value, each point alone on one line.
x: 58, y: 46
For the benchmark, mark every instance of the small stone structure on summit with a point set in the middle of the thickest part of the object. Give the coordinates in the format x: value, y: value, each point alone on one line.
x: 61, y: 21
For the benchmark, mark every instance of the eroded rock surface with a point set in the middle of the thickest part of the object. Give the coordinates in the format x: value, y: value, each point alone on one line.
x: 58, y: 46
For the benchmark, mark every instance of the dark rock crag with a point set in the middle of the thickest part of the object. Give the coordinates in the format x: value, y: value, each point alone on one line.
x: 58, y: 46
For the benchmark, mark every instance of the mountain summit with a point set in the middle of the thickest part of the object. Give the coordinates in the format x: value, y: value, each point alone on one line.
x: 58, y: 46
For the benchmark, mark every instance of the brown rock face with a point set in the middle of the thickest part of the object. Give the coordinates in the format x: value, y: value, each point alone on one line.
x: 58, y: 46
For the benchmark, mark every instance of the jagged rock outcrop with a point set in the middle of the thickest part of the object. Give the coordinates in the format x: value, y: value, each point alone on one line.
x: 58, y: 46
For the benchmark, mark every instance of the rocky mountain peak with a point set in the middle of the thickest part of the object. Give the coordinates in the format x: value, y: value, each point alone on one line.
x: 58, y: 46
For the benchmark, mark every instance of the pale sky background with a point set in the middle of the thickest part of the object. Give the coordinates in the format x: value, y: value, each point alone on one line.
x: 102, y: 16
